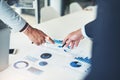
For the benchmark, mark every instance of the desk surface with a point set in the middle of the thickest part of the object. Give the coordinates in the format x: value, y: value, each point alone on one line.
x: 57, y: 29
x: 60, y: 27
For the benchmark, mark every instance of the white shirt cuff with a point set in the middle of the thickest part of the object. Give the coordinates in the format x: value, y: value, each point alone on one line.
x: 83, y: 32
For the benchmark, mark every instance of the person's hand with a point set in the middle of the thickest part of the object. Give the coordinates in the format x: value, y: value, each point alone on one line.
x: 73, y: 38
x: 37, y: 36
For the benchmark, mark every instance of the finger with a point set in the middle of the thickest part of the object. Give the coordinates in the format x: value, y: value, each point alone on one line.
x: 43, y: 41
x: 77, y: 43
x: 68, y: 43
x: 49, y: 39
x: 64, y: 41
x: 82, y: 37
x: 38, y: 41
x: 72, y: 44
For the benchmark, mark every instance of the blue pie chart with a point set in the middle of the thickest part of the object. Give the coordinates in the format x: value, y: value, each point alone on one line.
x: 75, y: 64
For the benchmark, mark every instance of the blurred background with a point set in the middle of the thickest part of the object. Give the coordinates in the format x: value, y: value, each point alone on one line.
x: 34, y: 10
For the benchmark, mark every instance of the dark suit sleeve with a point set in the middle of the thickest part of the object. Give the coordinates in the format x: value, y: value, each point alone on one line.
x: 89, y: 29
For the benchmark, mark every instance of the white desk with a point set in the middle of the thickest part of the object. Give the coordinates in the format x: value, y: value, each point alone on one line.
x: 58, y: 29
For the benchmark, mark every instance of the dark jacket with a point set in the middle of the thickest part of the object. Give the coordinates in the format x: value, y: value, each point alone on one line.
x: 105, y: 31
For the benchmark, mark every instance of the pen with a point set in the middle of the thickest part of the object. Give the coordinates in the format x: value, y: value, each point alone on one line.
x: 63, y: 44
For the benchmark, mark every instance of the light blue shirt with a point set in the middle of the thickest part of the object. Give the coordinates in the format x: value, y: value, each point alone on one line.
x: 10, y: 17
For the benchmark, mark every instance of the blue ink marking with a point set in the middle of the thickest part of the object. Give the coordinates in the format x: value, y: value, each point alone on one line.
x: 58, y: 41
x: 68, y: 47
x: 86, y: 59
x: 65, y: 50
x: 30, y: 58
x: 60, y: 46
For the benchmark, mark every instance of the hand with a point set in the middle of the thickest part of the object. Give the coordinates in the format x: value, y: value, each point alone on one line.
x: 73, y: 38
x: 37, y: 36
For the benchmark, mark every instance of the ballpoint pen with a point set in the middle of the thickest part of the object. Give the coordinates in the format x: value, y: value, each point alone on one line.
x: 63, y: 44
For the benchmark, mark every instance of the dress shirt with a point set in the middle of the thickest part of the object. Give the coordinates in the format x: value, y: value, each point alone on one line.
x: 10, y: 17
x: 83, y: 32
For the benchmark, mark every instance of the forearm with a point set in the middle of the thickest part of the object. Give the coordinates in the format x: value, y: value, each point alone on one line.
x: 10, y: 17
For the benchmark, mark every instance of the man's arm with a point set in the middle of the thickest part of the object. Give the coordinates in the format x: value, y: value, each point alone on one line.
x: 10, y: 17
x: 75, y: 37
x: 18, y: 24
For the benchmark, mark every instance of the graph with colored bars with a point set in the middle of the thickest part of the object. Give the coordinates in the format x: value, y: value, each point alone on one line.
x: 53, y: 62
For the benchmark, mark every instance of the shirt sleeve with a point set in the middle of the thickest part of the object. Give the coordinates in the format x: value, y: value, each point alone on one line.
x: 10, y: 17
x: 83, y: 32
